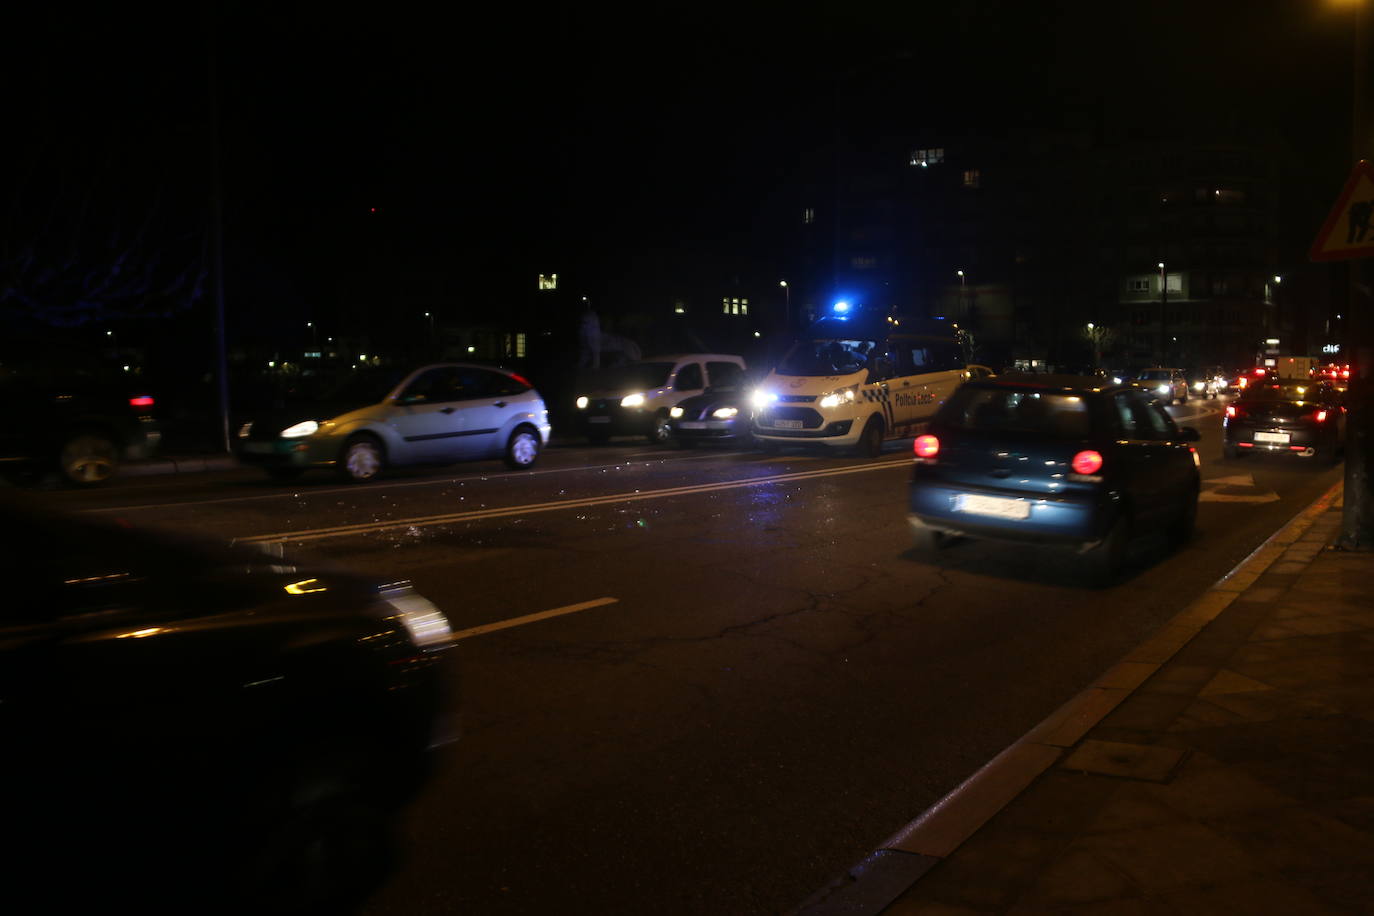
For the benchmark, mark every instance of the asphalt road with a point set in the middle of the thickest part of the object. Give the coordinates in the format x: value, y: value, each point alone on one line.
x: 750, y: 681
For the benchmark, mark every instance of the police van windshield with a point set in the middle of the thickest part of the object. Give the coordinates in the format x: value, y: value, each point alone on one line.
x: 635, y: 375
x: 827, y: 356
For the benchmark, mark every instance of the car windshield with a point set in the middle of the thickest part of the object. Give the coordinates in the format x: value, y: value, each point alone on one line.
x: 1000, y: 410
x: 827, y: 356
x: 360, y: 386
x: 1155, y: 375
x: 629, y: 378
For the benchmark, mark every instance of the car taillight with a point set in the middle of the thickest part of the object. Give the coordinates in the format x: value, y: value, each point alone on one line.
x: 142, y: 400
x: 1087, y: 462
x: 521, y: 379
x: 927, y: 446
x: 1319, y: 416
x: 1231, y: 411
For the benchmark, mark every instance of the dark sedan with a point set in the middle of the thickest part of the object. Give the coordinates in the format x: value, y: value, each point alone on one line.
x: 1289, y: 416
x: 719, y: 414
x: 193, y: 729
x: 1058, y: 460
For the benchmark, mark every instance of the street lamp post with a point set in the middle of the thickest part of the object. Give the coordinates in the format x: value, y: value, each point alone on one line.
x: 787, y: 304
x: 963, y: 295
x: 1163, y: 315
x: 1097, y: 345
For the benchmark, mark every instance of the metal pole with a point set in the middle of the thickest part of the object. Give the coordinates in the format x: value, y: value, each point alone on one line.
x: 217, y: 227
x: 1163, y: 315
x: 1357, y: 514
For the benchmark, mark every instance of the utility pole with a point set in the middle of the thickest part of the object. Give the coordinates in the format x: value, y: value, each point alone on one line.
x: 217, y: 222
x: 1357, y: 514
x: 1163, y: 316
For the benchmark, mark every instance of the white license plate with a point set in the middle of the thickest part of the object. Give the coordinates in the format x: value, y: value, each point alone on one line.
x: 598, y: 419
x: 1276, y: 438
x: 259, y: 448
x: 691, y: 424
x: 788, y: 424
x: 994, y: 506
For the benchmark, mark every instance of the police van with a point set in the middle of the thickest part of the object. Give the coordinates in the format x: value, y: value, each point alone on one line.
x: 855, y: 380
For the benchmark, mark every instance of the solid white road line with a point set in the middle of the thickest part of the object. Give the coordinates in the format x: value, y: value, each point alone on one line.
x: 531, y: 618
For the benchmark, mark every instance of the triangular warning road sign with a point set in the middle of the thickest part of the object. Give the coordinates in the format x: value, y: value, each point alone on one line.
x: 1349, y: 229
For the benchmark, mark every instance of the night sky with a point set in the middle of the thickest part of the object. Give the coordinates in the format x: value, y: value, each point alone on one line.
x: 493, y: 141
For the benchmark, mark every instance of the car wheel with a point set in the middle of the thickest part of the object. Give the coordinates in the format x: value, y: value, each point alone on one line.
x: 870, y: 444
x: 285, y: 474
x: 661, y: 433
x: 1181, y: 531
x: 1106, y: 560
x: 88, y: 459
x: 522, y: 451
x: 361, y: 459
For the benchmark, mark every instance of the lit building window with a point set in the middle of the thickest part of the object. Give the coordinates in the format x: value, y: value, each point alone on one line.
x: 972, y: 178
x: 809, y: 215
x: 927, y: 157
x: 734, y: 306
x: 744, y: 306
x: 725, y: 305
x: 520, y: 345
x: 548, y: 281
x: 679, y: 308
x: 1138, y: 285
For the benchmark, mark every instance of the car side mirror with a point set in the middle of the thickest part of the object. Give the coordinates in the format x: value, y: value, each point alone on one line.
x: 1189, y: 434
x: 412, y: 399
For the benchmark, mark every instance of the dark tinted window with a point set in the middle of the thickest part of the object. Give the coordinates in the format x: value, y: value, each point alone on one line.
x: 827, y: 356
x: 1062, y: 416
x: 500, y: 383
x: 724, y: 375
x: 1139, y: 416
x: 916, y: 355
x: 689, y: 378
x: 634, y: 377
x: 1286, y: 393
x: 433, y: 386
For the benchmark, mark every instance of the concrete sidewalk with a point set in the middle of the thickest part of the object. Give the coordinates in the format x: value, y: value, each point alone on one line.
x: 1225, y: 766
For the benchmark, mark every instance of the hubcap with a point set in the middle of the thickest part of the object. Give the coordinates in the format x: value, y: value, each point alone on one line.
x: 523, y: 449
x: 363, y: 461
x: 89, y: 459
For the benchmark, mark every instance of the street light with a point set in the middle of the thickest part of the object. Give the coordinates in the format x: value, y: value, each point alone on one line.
x: 1163, y: 315
x: 787, y: 302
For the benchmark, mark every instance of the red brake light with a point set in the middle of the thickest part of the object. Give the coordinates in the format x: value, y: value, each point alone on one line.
x: 1087, y: 462
x: 927, y: 446
x: 1231, y: 410
x: 521, y: 379
x: 1320, y: 416
x: 142, y: 400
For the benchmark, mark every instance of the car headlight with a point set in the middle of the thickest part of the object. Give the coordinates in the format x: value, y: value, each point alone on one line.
x: 426, y: 624
x: 725, y: 413
x: 1198, y: 386
x: 836, y: 398
x: 1116, y: 380
x: 761, y: 398
x: 582, y: 403
x: 1164, y: 389
x: 675, y: 412
x: 632, y: 400
x: 246, y: 430
x: 304, y: 428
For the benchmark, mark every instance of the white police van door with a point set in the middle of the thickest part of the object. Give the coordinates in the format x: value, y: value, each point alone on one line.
x: 926, y: 370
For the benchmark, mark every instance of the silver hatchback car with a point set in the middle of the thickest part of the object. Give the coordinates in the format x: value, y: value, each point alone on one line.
x: 437, y: 414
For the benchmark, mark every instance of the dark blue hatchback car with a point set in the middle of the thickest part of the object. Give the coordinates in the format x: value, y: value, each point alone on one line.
x: 1056, y: 460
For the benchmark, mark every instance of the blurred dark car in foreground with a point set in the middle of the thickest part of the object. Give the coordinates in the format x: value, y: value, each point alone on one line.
x: 193, y: 729
x: 719, y: 414
x: 1055, y: 460
x: 1305, y: 418
x: 373, y: 419
x: 80, y: 420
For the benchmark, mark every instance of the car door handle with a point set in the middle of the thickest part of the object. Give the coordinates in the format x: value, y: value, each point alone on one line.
x: 500, y: 404
x: 447, y: 409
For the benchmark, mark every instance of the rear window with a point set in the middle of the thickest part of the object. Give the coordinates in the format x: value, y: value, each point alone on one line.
x: 1282, y: 392
x: 1006, y: 410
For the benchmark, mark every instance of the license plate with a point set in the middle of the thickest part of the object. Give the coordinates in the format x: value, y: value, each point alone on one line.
x: 994, y: 506
x: 1276, y: 438
x: 691, y: 424
x: 788, y: 424
x: 259, y: 448
x: 598, y: 419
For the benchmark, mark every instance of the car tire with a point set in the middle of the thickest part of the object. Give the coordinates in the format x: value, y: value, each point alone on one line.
x: 661, y: 433
x: 88, y: 459
x: 285, y: 475
x: 522, y: 449
x: 1108, y: 558
x: 870, y: 444
x: 362, y: 459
